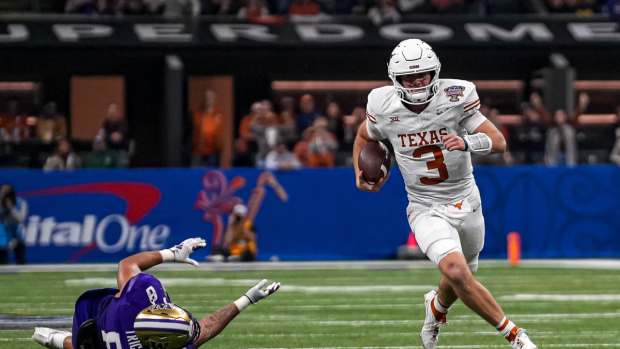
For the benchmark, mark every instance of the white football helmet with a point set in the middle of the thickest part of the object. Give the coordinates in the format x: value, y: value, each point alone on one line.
x: 413, y: 56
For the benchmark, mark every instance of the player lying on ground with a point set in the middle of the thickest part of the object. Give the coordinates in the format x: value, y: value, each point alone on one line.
x: 433, y: 126
x: 139, y: 314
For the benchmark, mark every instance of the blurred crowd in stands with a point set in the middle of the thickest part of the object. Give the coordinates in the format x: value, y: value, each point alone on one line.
x: 275, y: 10
x: 301, y: 130
x: 42, y: 140
x: 298, y: 131
x: 303, y: 133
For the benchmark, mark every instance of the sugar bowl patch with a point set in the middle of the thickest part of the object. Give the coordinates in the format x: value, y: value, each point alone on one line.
x: 454, y: 92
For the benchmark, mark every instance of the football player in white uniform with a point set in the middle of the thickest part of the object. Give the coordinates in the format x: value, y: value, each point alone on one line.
x: 433, y: 125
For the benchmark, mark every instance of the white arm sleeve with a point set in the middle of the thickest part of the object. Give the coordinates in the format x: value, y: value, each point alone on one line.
x: 472, y: 122
x: 471, y: 118
x: 372, y: 121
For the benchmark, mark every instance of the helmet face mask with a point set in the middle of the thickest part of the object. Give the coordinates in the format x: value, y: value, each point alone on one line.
x: 414, y: 56
x: 166, y: 326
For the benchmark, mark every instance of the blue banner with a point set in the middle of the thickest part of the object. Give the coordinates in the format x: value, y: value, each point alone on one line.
x: 105, y: 215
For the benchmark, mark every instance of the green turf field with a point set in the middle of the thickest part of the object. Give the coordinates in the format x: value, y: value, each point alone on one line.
x: 355, y: 308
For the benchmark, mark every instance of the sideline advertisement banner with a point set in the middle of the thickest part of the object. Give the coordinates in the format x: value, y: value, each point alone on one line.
x: 105, y: 215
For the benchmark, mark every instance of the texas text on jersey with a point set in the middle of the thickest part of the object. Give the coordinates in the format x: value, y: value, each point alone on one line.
x: 432, y: 174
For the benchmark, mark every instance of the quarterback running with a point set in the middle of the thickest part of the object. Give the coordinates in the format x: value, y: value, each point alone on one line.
x: 433, y: 126
x: 140, y: 313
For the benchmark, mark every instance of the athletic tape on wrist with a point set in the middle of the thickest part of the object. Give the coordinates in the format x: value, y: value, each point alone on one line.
x: 478, y: 143
x: 167, y: 255
x: 242, y: 303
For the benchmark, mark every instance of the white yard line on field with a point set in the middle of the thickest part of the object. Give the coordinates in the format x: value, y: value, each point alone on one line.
x: 613, y: 264
x: 249, y: 282
x: 19, y: 339
x: 562, y: 297
x: 447, y: 333
x: 473, y: 346
x: 166, y: 281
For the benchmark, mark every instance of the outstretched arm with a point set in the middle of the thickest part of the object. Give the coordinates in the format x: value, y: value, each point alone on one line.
x: 212, y: 324
x: 135, y: 264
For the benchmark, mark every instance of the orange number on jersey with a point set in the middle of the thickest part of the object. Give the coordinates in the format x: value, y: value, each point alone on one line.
x: 436, y: 163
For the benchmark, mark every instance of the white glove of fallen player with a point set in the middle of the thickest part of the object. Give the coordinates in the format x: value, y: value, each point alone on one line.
x: 180, y: 253
x: 256, y: 293
x: 261, y: 290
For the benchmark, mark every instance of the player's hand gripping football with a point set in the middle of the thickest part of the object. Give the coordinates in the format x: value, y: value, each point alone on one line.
x: 180, y: 253
x: 453, y: 142
x: 261, y: 290
x: 364, y: 185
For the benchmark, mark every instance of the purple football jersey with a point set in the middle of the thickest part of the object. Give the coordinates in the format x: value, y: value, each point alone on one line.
x: 115, y: 316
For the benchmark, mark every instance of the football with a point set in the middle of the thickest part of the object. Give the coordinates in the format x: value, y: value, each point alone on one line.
x: 374, y: 161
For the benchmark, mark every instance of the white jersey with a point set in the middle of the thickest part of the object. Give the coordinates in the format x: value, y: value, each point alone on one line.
x: 432, y: 174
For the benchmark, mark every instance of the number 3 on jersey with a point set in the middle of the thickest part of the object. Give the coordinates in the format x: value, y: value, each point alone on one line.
x: 437, y: 163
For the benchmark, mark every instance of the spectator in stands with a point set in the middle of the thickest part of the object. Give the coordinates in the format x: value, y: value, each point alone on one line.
x: 308, y: 112
x: 63, y: 158
x: 505, y: 158
x: 561, y: 145
x: 13, y: 213
x: 114, y: 129
x: 537, y: 104
x: 384, y: 11
x: 207, y: 131
x: 350, y: 123
x: 305, y: 11
x: 253, y: 10
x: 265, y: 127
x: 531, y: 134
x: 281, y: 158
x: 101, y: 157
x: 51, y: 125
x: 287, y: 120
x: 304, y: 8
x: 245, y: 126
x: 180, y: 8
x: 614, y: 157
x: 240, y: 236
x: 13, y: 123
x: 322, y: 144
x: 333, y: 112
x: 243, y: 156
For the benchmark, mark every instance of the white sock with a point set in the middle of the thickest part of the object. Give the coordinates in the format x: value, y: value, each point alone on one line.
x: 58, y: 339
x: 508, y: 329
x: 440, y: 307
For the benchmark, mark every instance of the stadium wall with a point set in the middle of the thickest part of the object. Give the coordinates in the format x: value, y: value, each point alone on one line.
x: 104, y: 215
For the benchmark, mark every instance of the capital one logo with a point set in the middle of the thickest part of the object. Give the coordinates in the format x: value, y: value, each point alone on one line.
x: 111, y: 233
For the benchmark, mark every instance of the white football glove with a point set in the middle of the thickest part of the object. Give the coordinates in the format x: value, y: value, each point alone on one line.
x: 260, y: 290
x: 180, y: 253
x: 256, y: 293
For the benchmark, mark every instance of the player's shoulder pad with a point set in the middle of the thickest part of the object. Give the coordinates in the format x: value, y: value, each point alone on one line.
x: 457, y: 92
x: 379, y: 100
